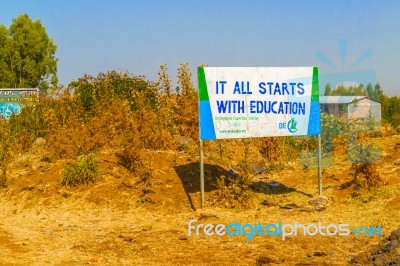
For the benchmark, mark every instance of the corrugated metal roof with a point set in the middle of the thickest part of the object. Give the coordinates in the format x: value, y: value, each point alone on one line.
x: 340, y: 99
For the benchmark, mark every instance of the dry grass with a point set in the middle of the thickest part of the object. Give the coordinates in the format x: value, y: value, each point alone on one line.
x: 106, y: 224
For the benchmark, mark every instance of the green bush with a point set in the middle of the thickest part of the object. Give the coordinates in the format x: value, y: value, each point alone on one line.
x: 83, y: 171
x: 331, y: 126
x: 363, y: 157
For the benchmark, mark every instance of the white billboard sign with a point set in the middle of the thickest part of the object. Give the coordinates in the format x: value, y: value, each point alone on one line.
x: 245, y: 102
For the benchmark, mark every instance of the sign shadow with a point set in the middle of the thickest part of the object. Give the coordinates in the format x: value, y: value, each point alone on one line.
x: 190, y: 177
x: 274, y: 188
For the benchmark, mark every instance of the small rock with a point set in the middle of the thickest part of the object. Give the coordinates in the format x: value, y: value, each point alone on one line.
x: 184, y: 142
x: 147, y: 227
x: 230, y: 173
x: 319, y: 208
x: 147, y: 191
x: 258, y: 170
x: 264, y: 260
x: 289, y: 206
x: 204, y: 214
x: 23, y: 172
x: 274, y: 184
x: 307, y: 209
x: 269, y: 202
x: 65, y: 194
x: 127, y: 238
x: 319, y: 254
x: 319, y: 201
x: 38, y: 142
x: 182, y: 238
x: 397, y: 162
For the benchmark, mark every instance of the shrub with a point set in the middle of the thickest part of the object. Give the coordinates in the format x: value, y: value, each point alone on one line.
x: 279, y: 150
x: 331, y: 126
x: 363, y: 155
x: 107, y: 129
x: 187, y: 104
x: 151, y: 130
x: 365, y: 175
x: 232, y: 193
x: 363, y: 158
x: 131, y: 160
x: 272, y: 149
x: 93, y: 91
x: 83, y: 171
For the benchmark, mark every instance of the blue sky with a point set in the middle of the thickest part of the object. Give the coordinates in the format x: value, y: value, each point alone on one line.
x: 137, y: 36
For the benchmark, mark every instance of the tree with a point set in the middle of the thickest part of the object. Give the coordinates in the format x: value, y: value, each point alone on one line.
x: 374, y: 92
x: 167, y: 110
x: 5, y: 78
x: 164, y: 82
x: 342, y: 90
x: 370, y: 90
x: 187, y: 103
x: 185, y: 81
x: 328, y: 90
x: 27, y: 55
x: 378, y: 91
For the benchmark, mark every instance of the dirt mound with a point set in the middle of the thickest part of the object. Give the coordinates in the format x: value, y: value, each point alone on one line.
x: 387, y: 252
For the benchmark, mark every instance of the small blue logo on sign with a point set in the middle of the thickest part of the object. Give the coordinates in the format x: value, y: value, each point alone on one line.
x: 292, y: 125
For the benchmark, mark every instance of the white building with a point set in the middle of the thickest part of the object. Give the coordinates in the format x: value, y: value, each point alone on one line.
x: 353, y: 107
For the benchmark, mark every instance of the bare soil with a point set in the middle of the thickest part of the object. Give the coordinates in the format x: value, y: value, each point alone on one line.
x: 119, y: 222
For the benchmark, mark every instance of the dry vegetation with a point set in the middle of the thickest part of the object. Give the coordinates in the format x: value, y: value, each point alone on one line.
x: 106, y: 173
